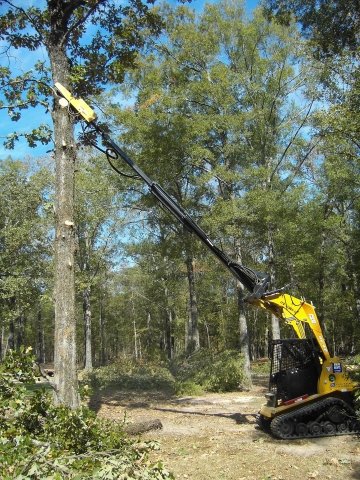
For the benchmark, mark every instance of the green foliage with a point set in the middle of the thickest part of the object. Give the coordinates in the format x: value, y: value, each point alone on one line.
x: 220, y: 121
x: 40, y: 440
x: 225, y: 374
x: 118, y: 32
x: 188, y: 388
x: 18, y: 365
x: 331, y: 25
x: 210, y: 371
x: 127, y: 373
x: 24, y: 235
x: 261, y: 367
x: 203, y: 371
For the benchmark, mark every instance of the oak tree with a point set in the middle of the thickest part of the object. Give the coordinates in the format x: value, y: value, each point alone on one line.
x: 87, y: 45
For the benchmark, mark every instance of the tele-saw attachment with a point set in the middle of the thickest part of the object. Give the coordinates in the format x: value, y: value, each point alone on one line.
x: 77, y: 103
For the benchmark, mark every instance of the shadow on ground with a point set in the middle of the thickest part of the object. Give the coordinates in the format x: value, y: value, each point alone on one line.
x: 356, y: 470
x: 168, y: 403
x: 112, y: 396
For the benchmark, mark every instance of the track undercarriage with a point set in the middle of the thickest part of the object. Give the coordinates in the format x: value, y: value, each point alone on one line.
x: 327, y: 417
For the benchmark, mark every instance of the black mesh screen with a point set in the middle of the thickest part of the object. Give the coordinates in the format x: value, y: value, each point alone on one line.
x: 295, y: 368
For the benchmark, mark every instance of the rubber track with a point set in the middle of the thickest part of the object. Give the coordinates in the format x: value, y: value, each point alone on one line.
x: 312, y: 412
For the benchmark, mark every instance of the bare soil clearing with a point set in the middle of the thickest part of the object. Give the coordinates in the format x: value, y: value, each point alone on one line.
x: 214, y: 437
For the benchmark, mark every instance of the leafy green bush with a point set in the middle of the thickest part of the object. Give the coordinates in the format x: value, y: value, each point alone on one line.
x: 128, y: 374
x: 261, y: 367
x: 203, y: 371
x: 353, y: 369
x: 188, y: 387
x: 39, y: 440
x: 226, y: 373
x: 210, y: 371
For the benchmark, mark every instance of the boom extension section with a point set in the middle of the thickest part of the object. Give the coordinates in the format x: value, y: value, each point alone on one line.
x: 256, y: 283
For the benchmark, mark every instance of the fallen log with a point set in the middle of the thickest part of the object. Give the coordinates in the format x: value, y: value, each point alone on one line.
x: 143, y: 426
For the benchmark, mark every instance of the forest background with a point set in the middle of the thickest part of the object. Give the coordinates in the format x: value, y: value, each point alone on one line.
x: 251, y: 129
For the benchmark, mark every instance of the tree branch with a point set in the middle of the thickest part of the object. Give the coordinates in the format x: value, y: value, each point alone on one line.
x: 72, y: 7
x: 30, y: 19
x: 299, y: 166
x: 292, y: 140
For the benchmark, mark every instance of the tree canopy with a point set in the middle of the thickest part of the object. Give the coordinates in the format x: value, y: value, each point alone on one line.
x: 332, y: 26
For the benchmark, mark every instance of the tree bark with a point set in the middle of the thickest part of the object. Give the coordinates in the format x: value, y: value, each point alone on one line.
x: 64, y: 289
x: 136, y: 351
x: 168, y: 320
x: 275, y: 324
x: 20, y: 331
x: 168, y: 334
x: 11, y: 337
x: 192, y: 339
x: 83, y: 257
x: 321, y: 271
x: 2, y: 331
x: 40, y: 337
x: 88, y: 364
x: 243, y: 327
x: 102, y: 330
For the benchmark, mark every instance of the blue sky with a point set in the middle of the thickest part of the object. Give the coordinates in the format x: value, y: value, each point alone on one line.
x: 21, y: 61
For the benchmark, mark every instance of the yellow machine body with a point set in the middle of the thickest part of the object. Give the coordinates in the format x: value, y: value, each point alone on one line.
x: 296, y: 313
x: 333, y: 378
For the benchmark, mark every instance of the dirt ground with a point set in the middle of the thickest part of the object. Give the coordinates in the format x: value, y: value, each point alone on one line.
x: 214, y: 437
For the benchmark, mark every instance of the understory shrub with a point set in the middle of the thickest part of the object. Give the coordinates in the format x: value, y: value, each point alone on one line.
x: 204, y: 371
x: 39, y: 440
x: 261, y: 367
x: 353, y: 364
x: 210, y: 371
x: 127, y: 373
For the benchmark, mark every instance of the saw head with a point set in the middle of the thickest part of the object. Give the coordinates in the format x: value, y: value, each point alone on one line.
x: 78, y: 104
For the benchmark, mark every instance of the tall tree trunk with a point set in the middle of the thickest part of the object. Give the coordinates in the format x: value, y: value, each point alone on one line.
x: 40, y: 338
x: 64, y: 289
x: 356, y: 291
x: 321, y: 275
x: 88, y: 364
x: 136, y: 351
x: 102, y: 330
x: 208, y: 335
x: 321, y: 279
x: 266, y: 342
x: 1, y: 340
x: 148, y: 343
x: 168, y: 333
x: 275, y: 324
x: 3, y: 343
x: 192, y: 339
x: 11, y: 337
x: 168, y: 327
x: 243, y: 327
x: 20, y: 331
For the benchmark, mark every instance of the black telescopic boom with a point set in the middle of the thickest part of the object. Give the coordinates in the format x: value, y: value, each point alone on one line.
x: 256, y: 283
